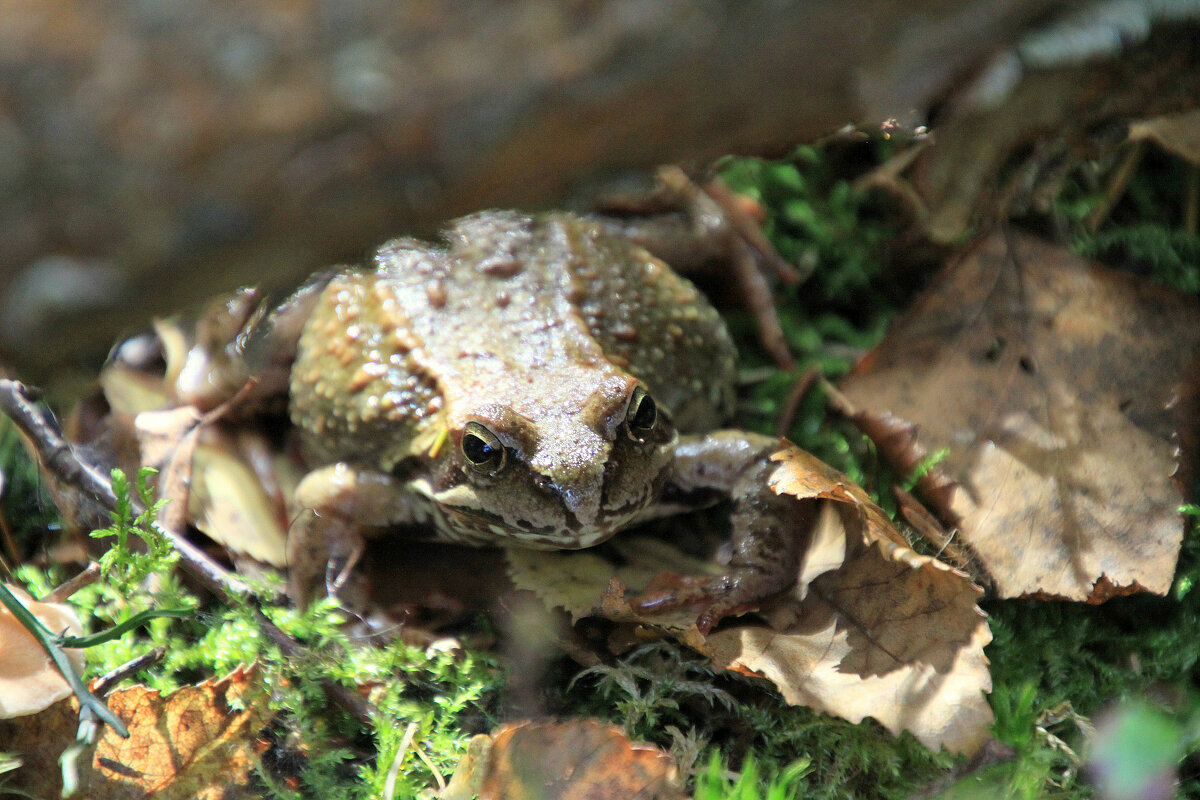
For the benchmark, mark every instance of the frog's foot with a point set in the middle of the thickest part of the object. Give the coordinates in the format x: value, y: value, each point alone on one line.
x: 343, y: 581
x: 323, y: 552
x: 769, y: 531
x: 735, y: 593
x: 337, y: 505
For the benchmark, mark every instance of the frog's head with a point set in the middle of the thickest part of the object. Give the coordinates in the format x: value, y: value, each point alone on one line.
x: 564, y: 470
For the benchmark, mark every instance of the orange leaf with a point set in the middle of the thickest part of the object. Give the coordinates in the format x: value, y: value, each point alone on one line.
x: 196, y: 742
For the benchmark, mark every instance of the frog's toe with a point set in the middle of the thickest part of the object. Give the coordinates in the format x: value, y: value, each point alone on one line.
x: 715, y: 598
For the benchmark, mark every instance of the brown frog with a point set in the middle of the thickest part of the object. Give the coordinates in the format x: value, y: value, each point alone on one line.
x: 539, y: 381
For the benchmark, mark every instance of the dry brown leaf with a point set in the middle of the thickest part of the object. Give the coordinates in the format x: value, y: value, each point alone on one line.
x: 871, y: 628
x: 168, y: 440
x: 569, y: 760
x: 213, y: 484
x: 582, y: 582
x: 196, y: 742
x: 999, y: 153
x: 230, y: 504
x: 191, y: 743
x: 1048, y: 379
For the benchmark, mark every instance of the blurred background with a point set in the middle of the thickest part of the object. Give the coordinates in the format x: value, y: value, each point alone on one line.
x: 156, y: 152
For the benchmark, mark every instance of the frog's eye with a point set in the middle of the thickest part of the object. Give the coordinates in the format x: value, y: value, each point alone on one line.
x: 641, y: 416
x: 482, y: 449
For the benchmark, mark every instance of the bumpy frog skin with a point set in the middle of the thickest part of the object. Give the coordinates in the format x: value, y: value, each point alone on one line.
x: 525, y: 385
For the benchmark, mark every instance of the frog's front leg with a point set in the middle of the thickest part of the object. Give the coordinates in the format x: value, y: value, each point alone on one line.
x: 336, y: 504
x: 768, y: 534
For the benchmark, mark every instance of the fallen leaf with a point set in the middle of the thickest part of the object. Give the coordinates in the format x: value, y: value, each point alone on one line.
x: 168, y: 440
x: 1047, y: 379
x: 581, y: 582
x: 207, y: 472
x: 196, y: 742
x: 230, y: 504
x: 29, y: 680
x: 870, y: 629
x: 569, y: 760
x: 191, y: 743
x: 997, y: 154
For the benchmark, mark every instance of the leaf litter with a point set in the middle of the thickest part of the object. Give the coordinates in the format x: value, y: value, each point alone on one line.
x: 1049, y: 381
x: 871, y: 628
x: 198, y: 741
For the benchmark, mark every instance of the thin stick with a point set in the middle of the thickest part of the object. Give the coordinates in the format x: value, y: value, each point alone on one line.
x: 800, y: 390
x: 102, y: 685
x: 64, y: 461
x: 389, y: 787
x: 1116, y: 186
x: 10, y: 545
x: 72, y: 585
x: 61, y: 459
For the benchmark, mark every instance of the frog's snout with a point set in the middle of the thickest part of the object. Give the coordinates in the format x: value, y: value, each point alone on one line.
x: 570, y: 465
x: 579, y: 491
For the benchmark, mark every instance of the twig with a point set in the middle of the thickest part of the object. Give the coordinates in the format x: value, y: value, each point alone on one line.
x: 60, y: 593
x: 10, y: 545
x: 61, y: 459
x: 65, y: 462
x: 1116, y: 186
x: 389, y: 787
x: 800, y: 390
x: 102, y: 685
x: 437, y: 773
x: 749, y: 229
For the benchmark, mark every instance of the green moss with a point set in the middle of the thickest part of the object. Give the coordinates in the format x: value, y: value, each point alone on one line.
x: 1170, y: 256
x: 818, y: 220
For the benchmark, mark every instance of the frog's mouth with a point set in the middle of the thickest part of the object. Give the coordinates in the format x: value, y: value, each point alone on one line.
x: 477, y: 523
x: 461, y: 516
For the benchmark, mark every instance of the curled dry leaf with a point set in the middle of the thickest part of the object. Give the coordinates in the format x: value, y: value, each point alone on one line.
x: 870, y: 629
x: 1047, y: 380
x: 175, y: 392
x: 238, y: 506
x: 569, y: 760
x: 29, y: 681
x: 209, y: 473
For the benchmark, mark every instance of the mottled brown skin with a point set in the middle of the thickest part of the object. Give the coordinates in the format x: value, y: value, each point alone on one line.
x: 524, y: 385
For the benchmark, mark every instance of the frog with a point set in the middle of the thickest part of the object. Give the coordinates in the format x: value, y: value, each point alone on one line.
x: 533, y: 380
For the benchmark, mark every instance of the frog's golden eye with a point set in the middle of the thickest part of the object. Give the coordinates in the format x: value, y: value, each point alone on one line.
x: 641, y: 416
x: 482, y: 449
